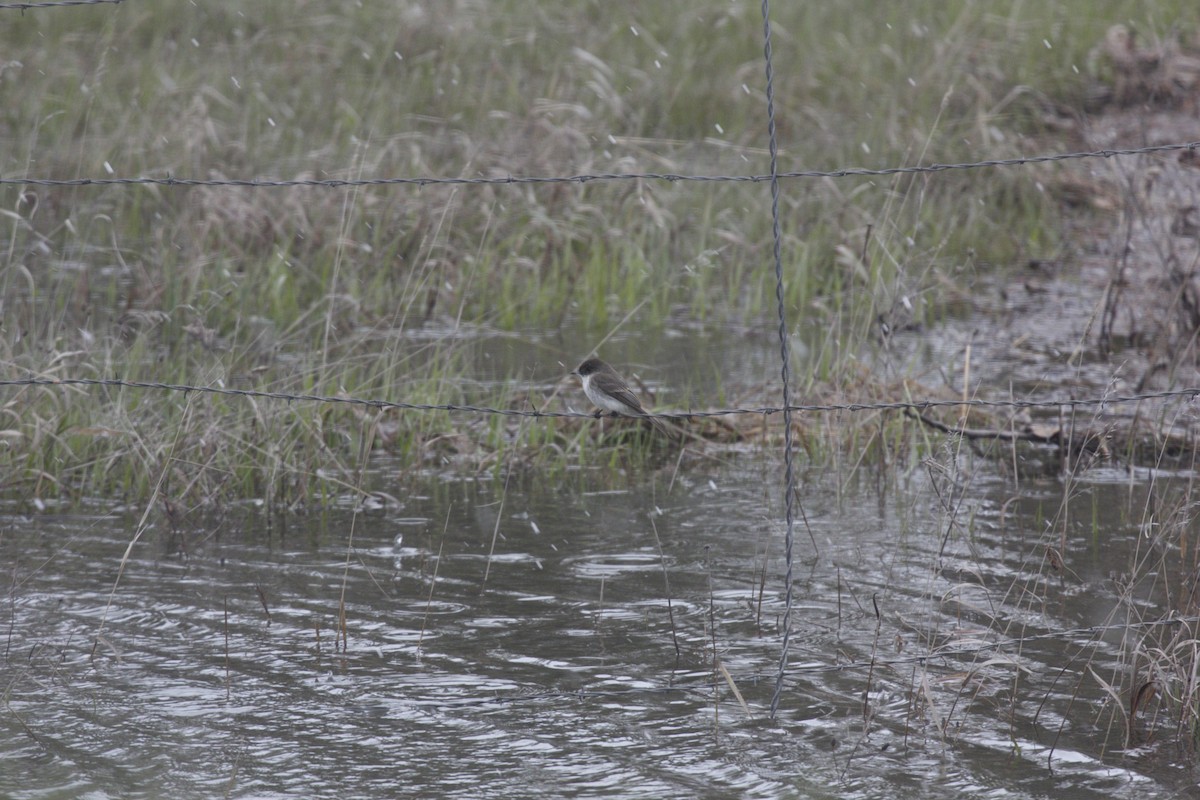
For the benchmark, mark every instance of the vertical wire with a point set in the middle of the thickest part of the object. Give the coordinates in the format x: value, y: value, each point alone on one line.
x: 789, y: 469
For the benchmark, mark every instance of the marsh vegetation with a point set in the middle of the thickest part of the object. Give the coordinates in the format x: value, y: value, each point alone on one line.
x: 1054, y: 279
x: 401, y: 293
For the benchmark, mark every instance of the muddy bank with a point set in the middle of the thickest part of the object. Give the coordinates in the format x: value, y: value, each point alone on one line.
x: 1116, y: 312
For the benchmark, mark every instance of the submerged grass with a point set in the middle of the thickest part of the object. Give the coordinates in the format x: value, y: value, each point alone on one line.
x: 388, y: 292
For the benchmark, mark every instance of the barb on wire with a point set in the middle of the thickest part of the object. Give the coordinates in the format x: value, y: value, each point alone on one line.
x: 56, y: 4
x: 679, y: 416
x: 846, y: 172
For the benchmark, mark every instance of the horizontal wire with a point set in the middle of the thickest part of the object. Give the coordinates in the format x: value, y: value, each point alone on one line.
x: 262, y: 183
x: 56, y: 4
x: 897, y: 405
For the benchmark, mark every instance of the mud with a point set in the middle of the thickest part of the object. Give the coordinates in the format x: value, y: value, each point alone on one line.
x: 1116, y: 312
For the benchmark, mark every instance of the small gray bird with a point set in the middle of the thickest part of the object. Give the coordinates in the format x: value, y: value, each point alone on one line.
x: 608, y: 391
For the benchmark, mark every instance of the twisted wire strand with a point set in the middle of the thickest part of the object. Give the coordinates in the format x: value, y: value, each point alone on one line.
x: 1190, y: 393
x: 789, y: 472
x: 56, y: 4
x: 844, y: 172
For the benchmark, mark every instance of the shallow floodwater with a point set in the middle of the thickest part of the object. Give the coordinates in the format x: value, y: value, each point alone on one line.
x: 525, y: 643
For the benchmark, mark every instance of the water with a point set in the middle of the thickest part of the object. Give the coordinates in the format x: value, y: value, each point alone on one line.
x: 522, y: 643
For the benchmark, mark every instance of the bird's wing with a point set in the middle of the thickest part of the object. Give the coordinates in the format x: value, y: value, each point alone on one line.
x: 628, y: 398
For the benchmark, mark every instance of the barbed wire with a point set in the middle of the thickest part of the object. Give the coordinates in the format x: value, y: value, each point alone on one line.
x: 789, y: 472
x: 845, y: 172
x: 57, y: 4
x: 891, y: 405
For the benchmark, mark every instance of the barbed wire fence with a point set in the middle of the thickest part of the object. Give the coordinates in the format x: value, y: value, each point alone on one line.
x: 57, y: 4
x: 669, y: 177
x: 675, y: 416
x: 774, y: 179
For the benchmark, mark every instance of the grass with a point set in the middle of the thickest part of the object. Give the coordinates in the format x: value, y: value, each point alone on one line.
x: 392, y: 292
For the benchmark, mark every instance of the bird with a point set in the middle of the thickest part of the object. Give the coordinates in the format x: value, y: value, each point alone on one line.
x: 608, y: 391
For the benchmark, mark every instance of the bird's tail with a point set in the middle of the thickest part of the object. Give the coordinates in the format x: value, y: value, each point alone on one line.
x: 658, y: 426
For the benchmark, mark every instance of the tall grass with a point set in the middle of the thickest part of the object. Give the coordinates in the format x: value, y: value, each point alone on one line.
x: 385, y: 291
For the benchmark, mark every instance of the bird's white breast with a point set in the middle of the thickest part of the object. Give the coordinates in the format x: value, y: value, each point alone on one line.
x: 601, y: 399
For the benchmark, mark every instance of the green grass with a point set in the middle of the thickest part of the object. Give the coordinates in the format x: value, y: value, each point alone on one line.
x: 329, y: 290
